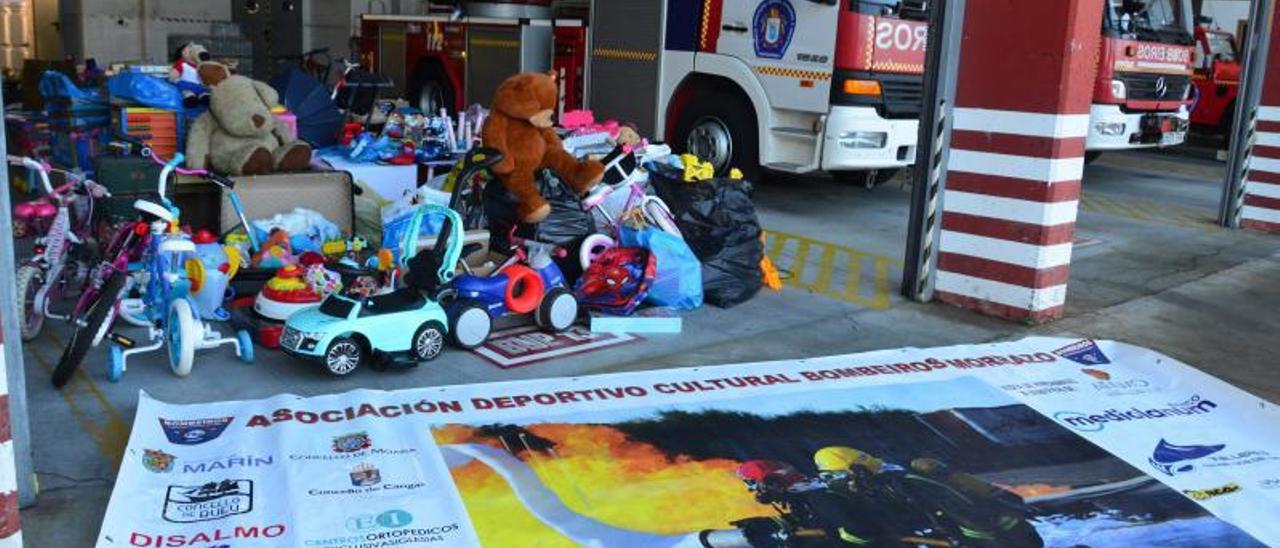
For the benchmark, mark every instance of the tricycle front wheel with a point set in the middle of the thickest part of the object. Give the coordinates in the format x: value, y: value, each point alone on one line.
x: 182, y: 332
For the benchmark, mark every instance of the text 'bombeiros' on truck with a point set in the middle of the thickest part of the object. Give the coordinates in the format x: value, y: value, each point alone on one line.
x: 1143, y: 93
x: 795, y: 86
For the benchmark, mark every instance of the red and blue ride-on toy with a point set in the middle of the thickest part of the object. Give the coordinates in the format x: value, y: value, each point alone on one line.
x: 529, y: 282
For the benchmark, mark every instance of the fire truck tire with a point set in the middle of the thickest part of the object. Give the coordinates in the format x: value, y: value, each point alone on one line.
x: 868, y: 179
x: 721, y: 129
x: 430, y: 88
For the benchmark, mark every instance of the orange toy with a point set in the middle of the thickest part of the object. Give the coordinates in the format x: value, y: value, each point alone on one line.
x: 519, y: 126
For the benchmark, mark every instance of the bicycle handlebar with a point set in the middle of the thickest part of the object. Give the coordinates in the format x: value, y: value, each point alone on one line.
x: 220, y: 180
x: 40, y: 167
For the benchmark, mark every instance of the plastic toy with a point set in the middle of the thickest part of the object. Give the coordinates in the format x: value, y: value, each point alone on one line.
x: 649, y: 210
x: 528, y: 283
x: 343, y: 333
x: 61, y: 223
x: 169, y: 293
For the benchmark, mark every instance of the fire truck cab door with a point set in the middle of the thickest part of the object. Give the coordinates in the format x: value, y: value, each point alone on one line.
x: 788, y: 44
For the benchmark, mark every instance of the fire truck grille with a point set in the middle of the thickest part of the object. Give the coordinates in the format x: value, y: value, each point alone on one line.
x: 1146, y: 87
x: 903, y: 96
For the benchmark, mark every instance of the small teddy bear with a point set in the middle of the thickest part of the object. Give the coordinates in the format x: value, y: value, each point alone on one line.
x: 520, y: 126
x: 185, y: 74
x: 239, y: 134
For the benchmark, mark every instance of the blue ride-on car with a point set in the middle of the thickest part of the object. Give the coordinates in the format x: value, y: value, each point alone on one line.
x: 401, y: 327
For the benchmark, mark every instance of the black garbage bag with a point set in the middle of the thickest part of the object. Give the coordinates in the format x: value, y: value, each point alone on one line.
x: 566, y: 226
x: 719, y: 223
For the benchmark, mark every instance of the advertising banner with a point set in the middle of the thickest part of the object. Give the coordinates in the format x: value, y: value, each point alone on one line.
x: 1041, y: 442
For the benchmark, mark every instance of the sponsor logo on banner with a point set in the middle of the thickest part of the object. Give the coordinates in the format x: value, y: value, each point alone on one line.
x: 221, y: 464
x: 194, y: 432
x: 157, y: 461
x: 389, y: 528
x: 365, y: 475
x: 1041, y: 388
x: 366, y: 478
x: 351, y: 443
x: 1206, y: 494
x: 1093, y: 422
x: 1097, y: 374
x: 351, y: 446
x: 210, y: 501
x: 1109, y: 384
x: 773, y: 26
x: 203, y: 538
x: 1085, y: 352
x: 1173, y: 459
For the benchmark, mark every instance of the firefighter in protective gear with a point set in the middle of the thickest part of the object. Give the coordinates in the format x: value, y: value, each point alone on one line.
x: 844, y: 517
x: 983, y: 513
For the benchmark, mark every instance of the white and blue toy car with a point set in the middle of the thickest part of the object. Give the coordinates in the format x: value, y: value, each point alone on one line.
x: 402, y: 327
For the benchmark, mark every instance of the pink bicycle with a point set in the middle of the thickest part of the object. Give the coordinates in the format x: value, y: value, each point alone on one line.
x: 639, y: 205
x: 62, y: 222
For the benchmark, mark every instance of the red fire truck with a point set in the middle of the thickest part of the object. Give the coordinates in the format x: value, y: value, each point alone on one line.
x: 1217, y: 78
x: 788, y: 85
x: 1142, y: 95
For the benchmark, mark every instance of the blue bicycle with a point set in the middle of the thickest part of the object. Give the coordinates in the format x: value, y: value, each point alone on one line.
x: 170, y: 278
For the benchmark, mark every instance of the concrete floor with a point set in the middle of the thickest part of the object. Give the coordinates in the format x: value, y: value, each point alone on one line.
x: 1150, y: 269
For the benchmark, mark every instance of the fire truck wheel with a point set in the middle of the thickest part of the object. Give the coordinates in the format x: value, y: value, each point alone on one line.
x: 721, y: 130
x: 430, y: 88
x: 869, y: 178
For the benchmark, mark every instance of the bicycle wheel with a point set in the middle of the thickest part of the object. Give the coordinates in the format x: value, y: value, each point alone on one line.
x: 96, y: 322
x: 30, y: 280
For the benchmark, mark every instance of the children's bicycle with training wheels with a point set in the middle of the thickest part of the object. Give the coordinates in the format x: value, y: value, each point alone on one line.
x: 168, y: 292
x: 124, y: 270
x: 62, y: 223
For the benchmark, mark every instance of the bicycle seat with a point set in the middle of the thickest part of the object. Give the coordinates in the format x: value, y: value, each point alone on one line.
x: 177, y: 245
x: 155, y: 210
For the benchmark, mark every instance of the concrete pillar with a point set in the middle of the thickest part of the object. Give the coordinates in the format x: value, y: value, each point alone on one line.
x: 1017, y: 153
x: 10, y: 528
x: 1262, y: 185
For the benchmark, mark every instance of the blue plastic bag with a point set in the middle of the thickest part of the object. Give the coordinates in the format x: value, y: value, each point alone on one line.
x: 146, y: 90
x: 678, y: 283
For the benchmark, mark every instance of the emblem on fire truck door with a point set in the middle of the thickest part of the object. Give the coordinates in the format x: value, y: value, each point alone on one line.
x: 772, y: 28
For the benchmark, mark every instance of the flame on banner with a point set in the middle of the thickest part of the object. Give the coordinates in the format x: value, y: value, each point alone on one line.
x: 600, y: 473
x: 1036, y: 489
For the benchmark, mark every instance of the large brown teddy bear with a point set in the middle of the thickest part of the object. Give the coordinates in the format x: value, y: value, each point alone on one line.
x: 519, y: 125
x: 239, y: 135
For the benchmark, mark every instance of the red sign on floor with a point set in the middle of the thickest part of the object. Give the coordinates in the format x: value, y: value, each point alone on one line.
x: 526, y: 345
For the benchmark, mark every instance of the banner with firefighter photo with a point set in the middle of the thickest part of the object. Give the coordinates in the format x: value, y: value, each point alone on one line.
x: 1041, y: 442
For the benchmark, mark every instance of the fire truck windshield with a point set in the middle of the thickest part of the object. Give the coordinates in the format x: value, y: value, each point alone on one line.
x: 903, y: 9
x: 1167, y: 21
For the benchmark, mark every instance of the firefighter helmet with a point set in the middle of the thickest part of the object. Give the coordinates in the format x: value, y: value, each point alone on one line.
x: 839, y: 459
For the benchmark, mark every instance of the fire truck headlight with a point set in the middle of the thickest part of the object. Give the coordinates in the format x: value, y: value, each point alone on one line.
x: 863, y: 139
x: 1109, y: 129
x: 1118, y: 90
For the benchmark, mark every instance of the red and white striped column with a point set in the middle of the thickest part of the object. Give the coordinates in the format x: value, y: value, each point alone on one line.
x: 10, y: 528
x: 1262, y: 185
x: 1017, y: 153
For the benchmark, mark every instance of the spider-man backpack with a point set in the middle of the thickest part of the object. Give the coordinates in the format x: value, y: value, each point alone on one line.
x: 618, y: 281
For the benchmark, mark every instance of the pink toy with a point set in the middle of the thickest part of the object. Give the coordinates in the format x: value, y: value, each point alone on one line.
x: 575, y: 119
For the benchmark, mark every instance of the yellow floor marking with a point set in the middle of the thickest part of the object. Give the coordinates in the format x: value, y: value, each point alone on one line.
x: 834, y: 277
x: 1149, y: 211
x: 111, y: 431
